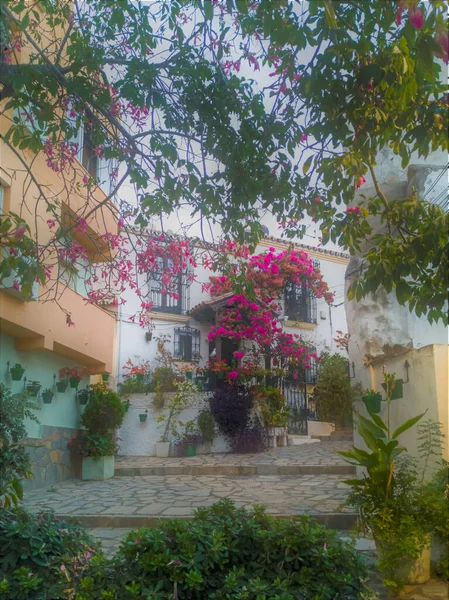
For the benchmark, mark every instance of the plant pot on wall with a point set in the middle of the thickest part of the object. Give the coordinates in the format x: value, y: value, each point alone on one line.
x: 105, y: 376
x: 83, y: 397
x: 74, y: 382
x: 372, y: 402
x: 33, y: 389
x: 191, y: 450
x: 143, y: 416
x: 47, y: 397
x: 189, y: 375
x: 61, y: 385
x: 17, y: 373
x: 162, y: 449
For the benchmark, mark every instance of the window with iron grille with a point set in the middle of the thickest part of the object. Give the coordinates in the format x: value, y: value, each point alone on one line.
x: 312, y: 372
x: 187, y: 343
x: 179, y: 301
x: 300, y: 302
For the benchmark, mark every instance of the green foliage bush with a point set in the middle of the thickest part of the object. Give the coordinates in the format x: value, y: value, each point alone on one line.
x: 229, y: 553
x: 41, y: 557
x: 333, y: 392
x: 223, y: 553
x: 104, y: 412
x: 206, y: 425
x: 14, y: 459
x: 164, y: 378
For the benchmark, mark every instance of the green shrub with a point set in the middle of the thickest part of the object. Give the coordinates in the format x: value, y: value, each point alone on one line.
x: 164, y: 378
x: 105, y: 411
x: 206, y: 425
x: 41, y: 557
x: 14, y: 459
x: 333, y: 392
x: 226, y: 552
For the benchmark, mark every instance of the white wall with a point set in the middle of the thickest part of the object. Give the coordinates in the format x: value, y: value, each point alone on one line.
x: 138, y: 439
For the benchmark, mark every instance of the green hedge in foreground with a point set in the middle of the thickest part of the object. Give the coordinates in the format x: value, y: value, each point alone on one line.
x: 224, y: 552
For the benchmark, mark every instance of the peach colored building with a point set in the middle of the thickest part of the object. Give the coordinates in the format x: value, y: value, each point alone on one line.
x: 34, y: 331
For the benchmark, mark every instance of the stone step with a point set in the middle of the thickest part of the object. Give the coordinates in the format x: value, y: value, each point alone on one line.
x: 234, y: 470
x: 344, y: 522
x: 298, y: 440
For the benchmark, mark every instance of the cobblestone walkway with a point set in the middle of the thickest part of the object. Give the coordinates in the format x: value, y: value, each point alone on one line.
x: 320, y: 455
x: 169, y: 496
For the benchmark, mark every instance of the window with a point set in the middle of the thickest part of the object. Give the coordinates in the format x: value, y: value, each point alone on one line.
x: 312, y: 372
x: 187, y: 344
x: 179, y: 302
x: 89, y: 160
x: 300, y: 302
x: 2, y: 200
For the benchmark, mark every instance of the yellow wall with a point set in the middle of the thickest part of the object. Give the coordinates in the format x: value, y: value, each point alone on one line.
x: 427, y: 390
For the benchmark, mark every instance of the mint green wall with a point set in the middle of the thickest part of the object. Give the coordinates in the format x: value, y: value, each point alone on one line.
x: 64, y: 411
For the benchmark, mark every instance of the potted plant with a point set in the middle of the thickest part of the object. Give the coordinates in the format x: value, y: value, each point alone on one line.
x: 372, y: 400
x: 126, y: 405
x: 206, y: 425
x: 73, y: 374
x: 47, y: 395
x: 83, y: 396
x: 137, y: 371
x: 61, y: 385
x: 143, y: 416
x: 17, y: 372
x: 388, y: 499
x: 105, y: 377
x: 102, y: 416
x: 176, y: 404
x: 33, y: 387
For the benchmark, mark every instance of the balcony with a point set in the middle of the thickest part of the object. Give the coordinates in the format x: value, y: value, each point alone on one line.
x: 43, y: 326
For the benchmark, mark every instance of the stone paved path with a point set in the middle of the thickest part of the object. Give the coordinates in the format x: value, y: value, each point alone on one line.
x: 320, y: 455
x: 170, y: 496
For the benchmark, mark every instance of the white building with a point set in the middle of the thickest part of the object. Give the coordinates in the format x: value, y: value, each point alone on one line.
x: 313, y: 319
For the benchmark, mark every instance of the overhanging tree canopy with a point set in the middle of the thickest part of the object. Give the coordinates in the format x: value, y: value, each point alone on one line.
x: 158, y: 88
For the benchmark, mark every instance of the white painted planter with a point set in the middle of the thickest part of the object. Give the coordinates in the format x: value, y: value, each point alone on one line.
x: 162, y: 449
x: 100, y: 468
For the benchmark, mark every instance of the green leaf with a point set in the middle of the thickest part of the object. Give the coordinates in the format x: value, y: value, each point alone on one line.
x: 208, y: 10
x: 307, y: 164
x: 407, y: 425
x: 378, y: 421
x: 378, y: 431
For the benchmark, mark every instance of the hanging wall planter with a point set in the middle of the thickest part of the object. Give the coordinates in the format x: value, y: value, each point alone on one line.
x: 189, y: 375
x: 105, y: 376
x: 33, y: 388
x: 126, y: 405
x: 47, y: 396
x: 143, y: 416
x: 372, y: 402
x: 83, y: 397
x: 74, y: 382
x: 61, y: 385
x: 17, y: 372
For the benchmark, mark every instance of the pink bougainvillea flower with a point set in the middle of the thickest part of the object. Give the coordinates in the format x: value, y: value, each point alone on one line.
x: 416, y: 17
x: 233, y: 374
x: 19, y: 232
x: 353, y: 209
x: 15, y: 285
x: 360, y: 182
x: 239, y: 354
x: 442, y: 40
x: 401, y: 8
x: 274, y: 269
x: 303, y: 137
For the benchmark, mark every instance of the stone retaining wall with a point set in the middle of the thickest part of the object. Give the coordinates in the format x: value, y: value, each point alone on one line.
x: 50, y: 459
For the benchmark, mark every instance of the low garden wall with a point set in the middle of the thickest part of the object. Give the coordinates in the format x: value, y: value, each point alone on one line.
x: 139, y: 438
